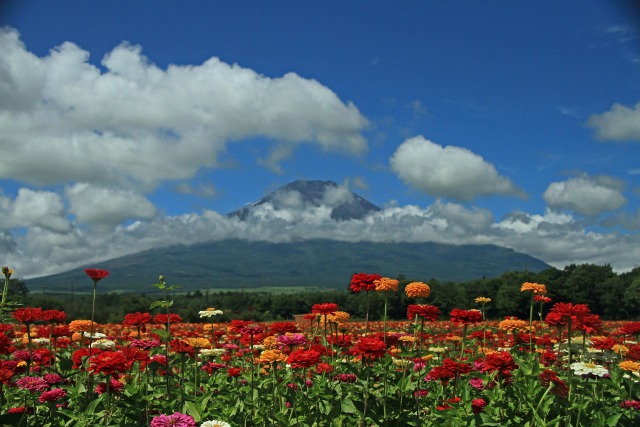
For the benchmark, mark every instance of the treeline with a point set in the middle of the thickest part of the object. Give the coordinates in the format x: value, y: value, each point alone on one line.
x: 612, y: 296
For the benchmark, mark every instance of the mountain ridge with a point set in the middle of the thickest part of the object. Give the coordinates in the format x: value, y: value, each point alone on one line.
x: 324, y: 263
x: 235, y: 263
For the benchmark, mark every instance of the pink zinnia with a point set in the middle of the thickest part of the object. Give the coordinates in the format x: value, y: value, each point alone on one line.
x: 32, y: 384
x: 52, y: 395
x: 175, y: 420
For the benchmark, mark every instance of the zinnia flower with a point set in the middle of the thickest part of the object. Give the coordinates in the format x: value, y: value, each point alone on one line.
x: 270, y: 357
x: 81, y: 325
x: 629, y: 365
x: 465, y: 317
x: 500, y: 362
x: 175, y: 420
x: 303, y: 358
x: 32, y: 384
x: 536, y: 288
x: 550, y: 377
x: 417, y: 289
x: 482, y: 300
x: 339, y: 317
x: 562, y: 312
x: 369, y: 348
x: 210, y: 312
x: 427, y: 312
x: 324, y: 308
x: 385, y: 284
x: 52, y: 395
x: 215, y: 423
x: 137, y: 319
x: 589, y: 369
x: 477, y: 405
x: 95, y: 274
x: 28, y: 314
x: 363, y: 282
x: 511, y: 324
x: 108, y: 362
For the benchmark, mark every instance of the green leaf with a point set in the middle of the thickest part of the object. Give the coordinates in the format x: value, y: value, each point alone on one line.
x: 193, y: 410
x: 613, y: 420
x: 348, y: 407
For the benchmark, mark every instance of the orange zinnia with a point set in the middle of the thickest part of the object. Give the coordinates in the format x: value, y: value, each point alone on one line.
x: 386, y: 284
x: 272, y: 356
x: 417, y: 289
x: 511, y: 324
x: 629, y: 365
x: 536, y: 288
x: 81, y: 326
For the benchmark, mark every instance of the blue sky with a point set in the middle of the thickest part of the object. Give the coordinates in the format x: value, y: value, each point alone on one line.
x: 129, y: 125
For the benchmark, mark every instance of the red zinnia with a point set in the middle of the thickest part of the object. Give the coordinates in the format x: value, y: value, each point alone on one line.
x: 324, y: 308
x: 54, y: 316
x: 466, y: 316
x: 28, y: 314
x: 164, y: 318
x: 563, y: 312
x: 369, y: 348
x: 136, y: 319
x: 427, y: 312
x: 550, y: 377
x: 96, y: 274
x: 303, y: 358
x: 364, y: 282
x: 108, y: 362
x: 630, y: 328
x: 477, y: 405
x: 500, y: 362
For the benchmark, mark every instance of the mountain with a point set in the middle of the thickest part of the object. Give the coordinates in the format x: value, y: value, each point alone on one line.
x: 321, y: 263
x: 302, y: 195
x: 235, y: 264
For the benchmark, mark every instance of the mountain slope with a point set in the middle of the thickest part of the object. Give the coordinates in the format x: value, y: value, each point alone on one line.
x: 310, y: 263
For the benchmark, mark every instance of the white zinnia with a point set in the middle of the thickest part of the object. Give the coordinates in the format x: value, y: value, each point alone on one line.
x: 215, y: 423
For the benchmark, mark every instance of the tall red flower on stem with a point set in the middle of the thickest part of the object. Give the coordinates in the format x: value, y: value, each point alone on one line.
x: 465, y: 317
x: 96, y: 274
x: 364, y: 282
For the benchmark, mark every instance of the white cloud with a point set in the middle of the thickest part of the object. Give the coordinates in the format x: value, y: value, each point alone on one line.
x: 557, y: 238
x: 107, y: 206
x: 621, y: 123
x: 64, y: 119
x: 451, y: 172
x: 589, y: 196
x: 31, y: 208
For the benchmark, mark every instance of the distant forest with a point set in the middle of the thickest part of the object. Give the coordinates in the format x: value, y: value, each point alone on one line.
x: 613, y: 296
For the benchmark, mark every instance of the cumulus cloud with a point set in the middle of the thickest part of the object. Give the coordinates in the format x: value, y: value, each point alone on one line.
x: 589, y: 196
x: 555, y: 237
x: 451, y: 172
x: 138, y: 124
x: 31, y: 208
x: 107, y: 206
x: 621, y: 123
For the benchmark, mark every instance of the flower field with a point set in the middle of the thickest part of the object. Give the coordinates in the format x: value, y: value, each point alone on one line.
x: 562, y: 366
